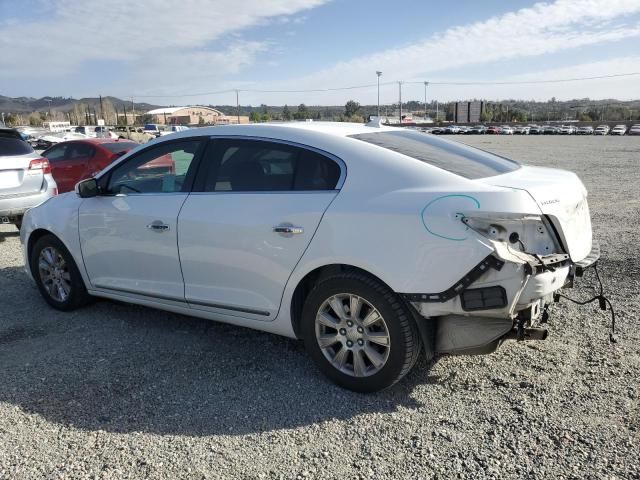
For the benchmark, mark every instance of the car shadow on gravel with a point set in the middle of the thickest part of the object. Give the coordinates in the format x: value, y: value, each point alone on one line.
x: 5, y: 235
x: 124, y: 368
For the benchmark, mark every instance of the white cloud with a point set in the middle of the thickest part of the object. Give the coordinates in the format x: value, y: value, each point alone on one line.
x: 154, y: 31
x: 542, y: 29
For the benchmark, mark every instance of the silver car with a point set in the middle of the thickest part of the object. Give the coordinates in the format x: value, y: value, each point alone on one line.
x: 25, y: 177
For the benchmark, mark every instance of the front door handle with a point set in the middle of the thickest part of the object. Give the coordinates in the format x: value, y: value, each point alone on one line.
x: 288, y: 229
x: 158, y: 226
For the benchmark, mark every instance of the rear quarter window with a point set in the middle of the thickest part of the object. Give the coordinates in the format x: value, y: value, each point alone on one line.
x: 10, y: 146
x: 456, y: 158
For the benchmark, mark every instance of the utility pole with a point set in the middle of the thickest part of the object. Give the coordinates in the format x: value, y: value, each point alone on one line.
x: 400, y: 100
x: 378, y: 73
x: 238, y: 105
x: 437, y: 112
x: 101, y: 110
x: 133, y: 110
x: 49, y: 101
x: 425, y: 100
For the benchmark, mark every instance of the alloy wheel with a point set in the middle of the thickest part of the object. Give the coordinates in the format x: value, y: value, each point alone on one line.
x: 352, y: 335
x: 54, y: 274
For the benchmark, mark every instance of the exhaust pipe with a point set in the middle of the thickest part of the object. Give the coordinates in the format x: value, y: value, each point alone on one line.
x: 527, y: 334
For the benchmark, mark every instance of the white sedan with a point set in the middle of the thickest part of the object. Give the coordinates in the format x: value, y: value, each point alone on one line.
x: 370, y: 243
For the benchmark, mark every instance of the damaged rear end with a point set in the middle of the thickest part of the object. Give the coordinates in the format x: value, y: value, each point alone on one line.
x: 538, y: 231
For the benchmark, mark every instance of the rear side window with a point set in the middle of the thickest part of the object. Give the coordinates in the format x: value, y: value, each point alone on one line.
x: 256, y: 165
x: 79, y: 151
x: 456, y: 158
x: 10, y: 146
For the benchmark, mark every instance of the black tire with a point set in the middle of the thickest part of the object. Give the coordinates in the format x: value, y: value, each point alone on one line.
x: 77, y: 296
x: 404, y: 339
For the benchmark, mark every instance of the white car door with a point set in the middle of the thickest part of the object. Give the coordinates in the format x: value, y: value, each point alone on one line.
x: 255, y: 208
x: 128, y: 233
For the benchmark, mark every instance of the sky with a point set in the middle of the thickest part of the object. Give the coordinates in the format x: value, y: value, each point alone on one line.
x: 186, y: 52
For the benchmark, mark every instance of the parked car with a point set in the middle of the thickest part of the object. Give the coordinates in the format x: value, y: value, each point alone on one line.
x: 619, y: 130
x: 506, y: 130
x: 477, y: 129
x: 135, y: 134
x: 87, y: 130
x: 79, y: 159
x: 327, y: 232
x: 153, y: 129
x: 601, y: 130
x: 25, y: 177
x: 521, y: 130
x: 452, y: 129
x: 493, y: 130
x: 536, y: 130
x: 634, y: 130
x: 438, y: 130
x: 567, y: 130
x: 173, y: 129
x: 585, y: 131
x: 45, y: 141
x: 550, y: 130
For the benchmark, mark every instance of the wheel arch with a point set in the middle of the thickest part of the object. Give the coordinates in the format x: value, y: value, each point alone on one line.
x: 36, y: 235
x: 308, y: 281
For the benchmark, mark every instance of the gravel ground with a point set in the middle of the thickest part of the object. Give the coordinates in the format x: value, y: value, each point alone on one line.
x: 117, y: 391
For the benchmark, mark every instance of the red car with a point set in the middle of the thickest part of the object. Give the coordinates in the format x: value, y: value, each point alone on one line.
x: 76, y: 160
x: 494, y: 130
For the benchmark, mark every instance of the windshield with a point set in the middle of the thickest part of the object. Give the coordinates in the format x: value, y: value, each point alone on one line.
x: 455, y: 158
x: 117, y: 147
x: 10, y: 146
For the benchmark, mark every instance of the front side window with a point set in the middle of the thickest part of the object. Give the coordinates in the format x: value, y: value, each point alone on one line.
x: 257, y: 165
x: 160, y: 169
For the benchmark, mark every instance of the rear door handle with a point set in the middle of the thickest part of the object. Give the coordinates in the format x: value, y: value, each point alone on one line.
x: 158, y: 226
x: 287, y: 229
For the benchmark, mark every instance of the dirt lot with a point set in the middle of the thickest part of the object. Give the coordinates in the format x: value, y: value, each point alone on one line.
x: 118, y: 391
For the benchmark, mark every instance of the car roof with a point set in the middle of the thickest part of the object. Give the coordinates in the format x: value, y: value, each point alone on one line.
x: 96, y: 141
x: 338, y: 129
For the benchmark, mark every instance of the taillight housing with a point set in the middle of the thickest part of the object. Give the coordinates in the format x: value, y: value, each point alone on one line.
x: 40, y: 164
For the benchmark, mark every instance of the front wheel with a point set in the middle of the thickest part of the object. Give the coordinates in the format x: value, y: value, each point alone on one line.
x: 57, y: 275
x: 359, y: 333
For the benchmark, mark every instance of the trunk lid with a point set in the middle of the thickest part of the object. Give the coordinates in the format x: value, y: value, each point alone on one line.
x: 15, y: 177
x: 562, y: 197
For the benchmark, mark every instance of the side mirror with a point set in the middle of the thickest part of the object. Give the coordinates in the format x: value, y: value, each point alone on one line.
x: 87, y: 188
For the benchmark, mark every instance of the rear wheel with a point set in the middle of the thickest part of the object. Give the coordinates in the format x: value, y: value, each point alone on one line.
x: 359, y: 333
x: 57, y: 275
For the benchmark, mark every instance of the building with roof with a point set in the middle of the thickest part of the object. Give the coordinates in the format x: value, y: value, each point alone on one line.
x: 193, y: 115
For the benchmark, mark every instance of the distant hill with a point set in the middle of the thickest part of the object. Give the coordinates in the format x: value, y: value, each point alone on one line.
x: 61, y: 104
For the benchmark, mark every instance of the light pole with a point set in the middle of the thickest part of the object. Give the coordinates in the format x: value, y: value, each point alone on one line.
x: 238, y: 106
x: 400, y: 100
x: 425, y: 101
x: 378, y: 73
